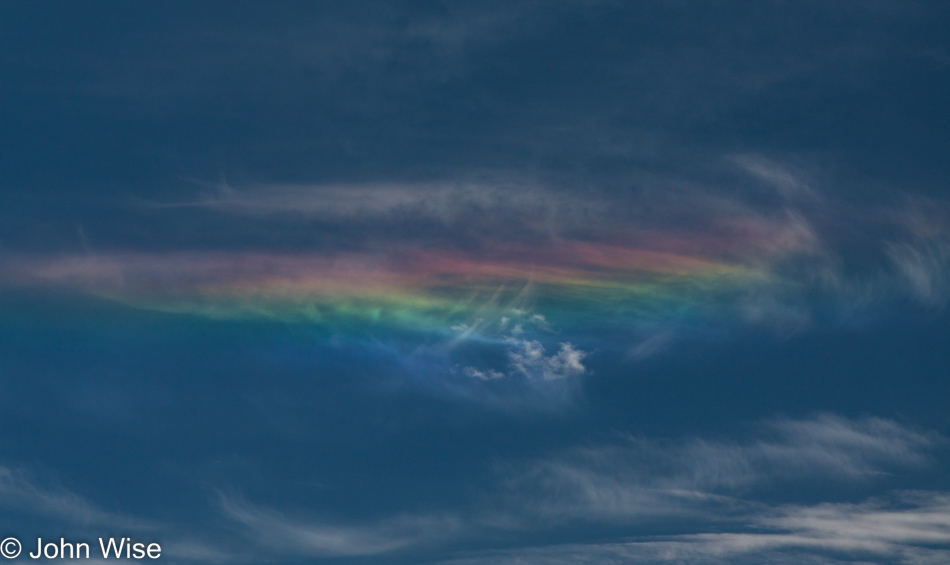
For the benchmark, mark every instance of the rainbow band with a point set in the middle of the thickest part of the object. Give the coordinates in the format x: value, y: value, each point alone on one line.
x: 431, y: 291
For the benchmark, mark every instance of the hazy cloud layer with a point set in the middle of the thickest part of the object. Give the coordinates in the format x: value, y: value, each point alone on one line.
x: 711, y: 484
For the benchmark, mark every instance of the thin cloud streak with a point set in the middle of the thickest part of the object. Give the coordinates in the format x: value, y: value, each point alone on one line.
x: 285, y: 535
x: 19, y: 491
x: 912, y: 529
x: 446, y: 201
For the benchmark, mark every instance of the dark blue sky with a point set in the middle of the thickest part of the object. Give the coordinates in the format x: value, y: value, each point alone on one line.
x: 492, y: 282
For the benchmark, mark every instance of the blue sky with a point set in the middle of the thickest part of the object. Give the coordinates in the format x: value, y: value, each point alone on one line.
x: 472, y: 283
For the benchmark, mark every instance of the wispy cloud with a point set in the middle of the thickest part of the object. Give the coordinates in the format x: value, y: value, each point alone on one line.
x: 20, y: 491
x: 640, y: 477
x: 704, y: 493
x: 791, y: 185
x: 910, y: 528
x: 480, y: 207
x: 923, y: 265
x: 702, y: 490
x: 23, y: 495
x: 285, y: 535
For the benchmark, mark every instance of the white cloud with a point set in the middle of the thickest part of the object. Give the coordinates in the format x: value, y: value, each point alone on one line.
x: 528, y: 358
x: 541, y: 322
x: 485, y: 375
x: 916, y: 518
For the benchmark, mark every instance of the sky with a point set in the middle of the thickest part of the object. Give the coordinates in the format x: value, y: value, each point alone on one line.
x: 466, y: 283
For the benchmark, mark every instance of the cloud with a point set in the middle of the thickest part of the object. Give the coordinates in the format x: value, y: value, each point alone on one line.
x: 18, y: 490
x: 485, y: 375
x: 528, y: 358
x: 701, y: 491
x: 636, y: 270
x: 284, y: 535
x: 72, y: 515
x: 450, y: 202
x: 789, y: 184
x: 514, y: 329
x: 639, y: 477
x: 912, y: 528
x: 924, y: 268
x: 917, y: 518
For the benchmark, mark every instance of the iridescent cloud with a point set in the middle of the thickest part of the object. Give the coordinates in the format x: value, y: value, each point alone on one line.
x: 681, y: 263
